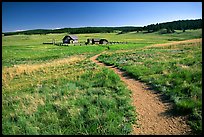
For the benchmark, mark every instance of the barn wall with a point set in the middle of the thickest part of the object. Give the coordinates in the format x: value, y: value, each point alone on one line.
x: 75, y: 41
x: 69, y: 40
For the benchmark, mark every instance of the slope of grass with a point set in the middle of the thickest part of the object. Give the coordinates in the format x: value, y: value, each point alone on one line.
x: 174, y: 70
x: 74, y: 97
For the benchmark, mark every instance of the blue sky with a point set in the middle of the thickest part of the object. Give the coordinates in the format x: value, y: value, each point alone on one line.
x: 52, y: 15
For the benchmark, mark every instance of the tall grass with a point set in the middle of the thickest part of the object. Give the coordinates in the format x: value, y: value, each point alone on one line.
x: 174, y: 70
x: 66, y: 99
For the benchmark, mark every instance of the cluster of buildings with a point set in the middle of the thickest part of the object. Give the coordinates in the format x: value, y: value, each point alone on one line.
x: 72, y: 39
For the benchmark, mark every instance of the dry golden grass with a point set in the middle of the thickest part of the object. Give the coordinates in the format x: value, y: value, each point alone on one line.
x: 176, y: 43
x: 28, y: 103
x: 34, y: 101
x: 9, y: 73
x: 183, y: 66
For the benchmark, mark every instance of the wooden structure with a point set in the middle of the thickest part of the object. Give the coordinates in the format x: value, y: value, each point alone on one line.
x: 103, y: 41
x: 70, y: 39
x: 96, y: 41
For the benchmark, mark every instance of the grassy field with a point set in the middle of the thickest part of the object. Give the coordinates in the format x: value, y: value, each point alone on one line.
x: 175, y: 70
x: 49, y: 89
x: 70, y: 96
x: 23, y: 49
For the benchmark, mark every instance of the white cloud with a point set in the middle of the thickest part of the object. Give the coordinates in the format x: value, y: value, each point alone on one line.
x: 19, y: 30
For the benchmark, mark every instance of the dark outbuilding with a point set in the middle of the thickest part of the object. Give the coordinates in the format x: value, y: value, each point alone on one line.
x: 96, y: 41
x: 70, y: 39
x: 103, y: 41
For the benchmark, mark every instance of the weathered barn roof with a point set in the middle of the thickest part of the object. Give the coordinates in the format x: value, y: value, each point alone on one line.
x: 71, y: 36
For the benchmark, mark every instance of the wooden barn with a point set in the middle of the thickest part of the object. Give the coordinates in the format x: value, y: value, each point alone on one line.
x: 70, y: 39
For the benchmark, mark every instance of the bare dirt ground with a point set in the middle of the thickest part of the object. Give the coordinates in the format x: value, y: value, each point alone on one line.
x: 154, y: 112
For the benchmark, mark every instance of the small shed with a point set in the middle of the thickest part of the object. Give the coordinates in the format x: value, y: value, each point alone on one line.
x: 96, y: 41
x: 70, y: 39
x: 103, y: 41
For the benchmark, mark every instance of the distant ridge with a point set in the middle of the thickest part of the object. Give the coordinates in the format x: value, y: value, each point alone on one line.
x: 170, y: 26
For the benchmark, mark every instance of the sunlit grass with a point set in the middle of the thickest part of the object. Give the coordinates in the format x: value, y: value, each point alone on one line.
x: 78, y: 98
x: 48, y: 89
x: 175, y: 70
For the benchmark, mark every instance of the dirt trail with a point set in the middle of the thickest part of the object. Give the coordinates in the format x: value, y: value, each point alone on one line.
x: 154, y: 113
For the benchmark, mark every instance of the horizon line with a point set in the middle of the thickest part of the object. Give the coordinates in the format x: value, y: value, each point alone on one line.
x: 56, y: 28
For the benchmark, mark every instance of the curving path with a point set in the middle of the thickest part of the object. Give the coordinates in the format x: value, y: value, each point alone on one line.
x: 153, y: 112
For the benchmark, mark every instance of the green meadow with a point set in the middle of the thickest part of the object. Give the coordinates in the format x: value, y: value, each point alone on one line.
x: 174, y: 70
x: 49, y: 90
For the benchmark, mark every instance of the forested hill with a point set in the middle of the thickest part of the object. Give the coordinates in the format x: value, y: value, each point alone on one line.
x: 77, y: 30
x: 175, y: 25
x: 169, y: 26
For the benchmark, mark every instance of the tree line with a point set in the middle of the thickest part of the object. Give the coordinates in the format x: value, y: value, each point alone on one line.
x: 169, y: 26
x: 175, y: 25
x: 76, y: 30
